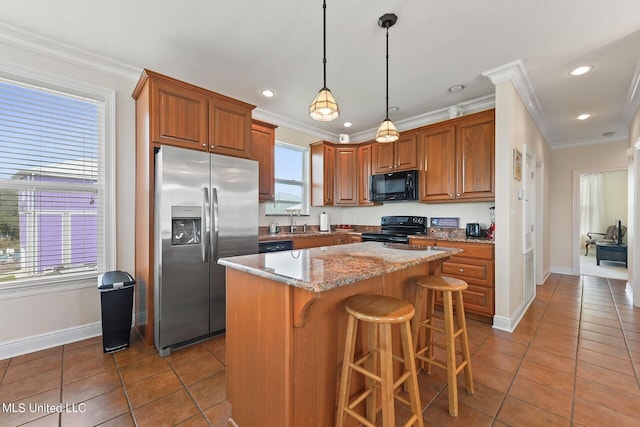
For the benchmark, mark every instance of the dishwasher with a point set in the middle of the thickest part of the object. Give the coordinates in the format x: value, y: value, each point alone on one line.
x: 275, y: 246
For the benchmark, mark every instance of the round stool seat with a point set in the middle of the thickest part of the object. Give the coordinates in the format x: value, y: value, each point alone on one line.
x: 379, y: 309
x: 441, y: 283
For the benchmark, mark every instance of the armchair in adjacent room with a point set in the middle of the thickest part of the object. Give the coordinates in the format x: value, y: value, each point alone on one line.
x: 609, y: 236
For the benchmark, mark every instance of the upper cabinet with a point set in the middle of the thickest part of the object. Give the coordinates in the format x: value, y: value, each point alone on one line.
x: 179, y: 116
x: 229, y: 128
x: 457, y: 159
x: 323, y: 160
x: 365, y: 151
x: 189, y: 116
x: 346, y: 175
x: 263, y: 139
x: 396, y: 156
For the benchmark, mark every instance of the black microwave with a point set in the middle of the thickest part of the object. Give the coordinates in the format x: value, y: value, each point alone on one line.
x: 394, y: 186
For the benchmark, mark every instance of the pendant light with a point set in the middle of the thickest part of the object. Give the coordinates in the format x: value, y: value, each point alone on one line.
x: 387, y: 131
x: 324, y: 107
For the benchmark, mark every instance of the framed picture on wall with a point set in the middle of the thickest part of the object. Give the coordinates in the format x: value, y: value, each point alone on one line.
x: 517, y: 164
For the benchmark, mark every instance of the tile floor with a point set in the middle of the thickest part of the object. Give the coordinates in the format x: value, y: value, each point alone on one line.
x: 573, y: 361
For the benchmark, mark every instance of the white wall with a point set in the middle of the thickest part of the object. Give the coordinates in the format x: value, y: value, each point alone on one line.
x: 515, y: 129
x: 565, y: 164
x: 72, y: 314
x: 634, y: 207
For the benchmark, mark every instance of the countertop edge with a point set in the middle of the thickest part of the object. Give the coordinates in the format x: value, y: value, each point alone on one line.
x: 441, y: 252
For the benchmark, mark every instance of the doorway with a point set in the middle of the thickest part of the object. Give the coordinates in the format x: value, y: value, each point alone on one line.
x: 602, y: 201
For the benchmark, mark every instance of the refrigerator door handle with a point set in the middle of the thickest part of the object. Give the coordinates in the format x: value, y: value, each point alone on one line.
x: 214, y: 224
x: 206, y: 226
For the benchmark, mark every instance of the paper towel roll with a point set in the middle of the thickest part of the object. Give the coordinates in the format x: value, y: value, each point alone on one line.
x: 324, y: 222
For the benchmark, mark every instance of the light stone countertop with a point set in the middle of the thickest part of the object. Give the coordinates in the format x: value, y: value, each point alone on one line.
x: 327, y: 267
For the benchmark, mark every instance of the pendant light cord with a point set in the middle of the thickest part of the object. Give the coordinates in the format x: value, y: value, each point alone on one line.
x: 324, y: 44
x: 387, y: 58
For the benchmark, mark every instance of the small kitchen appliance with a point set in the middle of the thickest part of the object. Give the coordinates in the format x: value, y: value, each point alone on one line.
x: 491, y: 232
x: 473, y: 230
x: 397, y: 229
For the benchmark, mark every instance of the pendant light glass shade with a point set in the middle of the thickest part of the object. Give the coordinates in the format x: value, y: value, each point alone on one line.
x: 387, y: 132
x: 324, y: 107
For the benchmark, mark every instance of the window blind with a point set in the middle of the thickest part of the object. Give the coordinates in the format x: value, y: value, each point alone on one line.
x: 51, y: 183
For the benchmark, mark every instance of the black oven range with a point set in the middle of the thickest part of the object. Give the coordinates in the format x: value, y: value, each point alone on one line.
x: 397, y: 229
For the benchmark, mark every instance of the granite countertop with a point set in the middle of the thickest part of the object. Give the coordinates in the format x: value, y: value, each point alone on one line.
x: 455, y: 239
x: 327, y: 267
x: 285, y: 235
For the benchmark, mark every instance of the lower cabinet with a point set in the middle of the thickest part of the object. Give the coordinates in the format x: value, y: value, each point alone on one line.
x: 475, y: 265
x: 328, y: 240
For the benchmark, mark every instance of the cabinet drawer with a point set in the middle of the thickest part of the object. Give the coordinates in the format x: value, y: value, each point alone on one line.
x: 476, y: 299
x: 471, y: 250
x: 465, y: 271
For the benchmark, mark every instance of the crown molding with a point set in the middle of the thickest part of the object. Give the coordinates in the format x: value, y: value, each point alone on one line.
x: 467, y: 107
x: 32, y: 42
x: 515, y: 73
x: 633, y: 96
x: 276, y: 119
x: 573, y: 143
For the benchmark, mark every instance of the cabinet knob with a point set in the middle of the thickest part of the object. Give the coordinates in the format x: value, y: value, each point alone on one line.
x: 212, y: 146
x: 462, y: 270
x: 204, y: 145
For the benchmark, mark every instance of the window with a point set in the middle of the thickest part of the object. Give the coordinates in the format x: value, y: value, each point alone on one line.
x: 52, y: 185
x: 290, y: 180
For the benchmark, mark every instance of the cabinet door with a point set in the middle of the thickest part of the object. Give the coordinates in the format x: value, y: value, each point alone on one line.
x: 476, y: 157
x: 329, y: 174
x: 322, y: 173
x: 346, y: 180
x: 262, y: 150
x: 179, y: 116
x: 229, y: 129
x: 382, y: 157
x: 405, y: 150
x: 437, y: 163
x: 364, y: 173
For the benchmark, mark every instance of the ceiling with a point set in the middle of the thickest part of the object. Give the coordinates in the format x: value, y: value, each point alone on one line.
x: 238, y: 47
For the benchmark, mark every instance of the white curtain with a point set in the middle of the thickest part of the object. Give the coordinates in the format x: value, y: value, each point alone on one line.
x: 591, y: 203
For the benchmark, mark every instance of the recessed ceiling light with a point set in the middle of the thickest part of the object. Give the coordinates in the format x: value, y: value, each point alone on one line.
x: 347, y: 124
x: 583, y: 69
x: 267, y: 93
x: 456, y: 88
x: 583, y: 116
x: 393, y: 110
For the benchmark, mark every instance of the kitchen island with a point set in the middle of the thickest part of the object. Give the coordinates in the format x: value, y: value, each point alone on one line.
x: 286, y: 323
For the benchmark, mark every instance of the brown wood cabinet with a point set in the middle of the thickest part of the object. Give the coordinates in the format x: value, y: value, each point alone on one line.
x: 179, y: 115
x: 346, y: 175
x: 365, y: 152
x: 172, y: 112
x: 322, y: 173
x: 313, y: 241
x: 263, y: 139
x: 396, y: 156
x: 475, y: 265
x: 229, y: 128
x: 457, y: 159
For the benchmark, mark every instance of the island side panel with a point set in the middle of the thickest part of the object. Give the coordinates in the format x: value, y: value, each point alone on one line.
x: 318, y: 348
x: 318, y: 345
x: 259, y: 351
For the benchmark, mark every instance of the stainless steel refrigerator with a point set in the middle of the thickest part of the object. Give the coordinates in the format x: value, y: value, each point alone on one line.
x: 206, y: 208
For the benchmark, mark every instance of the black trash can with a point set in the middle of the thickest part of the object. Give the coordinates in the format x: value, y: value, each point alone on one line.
x: 116, y: 299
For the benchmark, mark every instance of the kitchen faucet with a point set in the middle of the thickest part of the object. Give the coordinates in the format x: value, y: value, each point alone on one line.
x: 292, y: 227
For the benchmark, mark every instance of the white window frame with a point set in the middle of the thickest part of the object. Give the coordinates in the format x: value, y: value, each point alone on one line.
x: 305, y: 177
x: 44, y: 284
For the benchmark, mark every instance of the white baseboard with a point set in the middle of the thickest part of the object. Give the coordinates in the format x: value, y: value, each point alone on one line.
x: 567, y: 271
x: 509, y: 324
x: 50, y: 339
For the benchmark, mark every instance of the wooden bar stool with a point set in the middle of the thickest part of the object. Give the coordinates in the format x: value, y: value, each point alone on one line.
x: 451, y: 288
x: 381, y: 313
